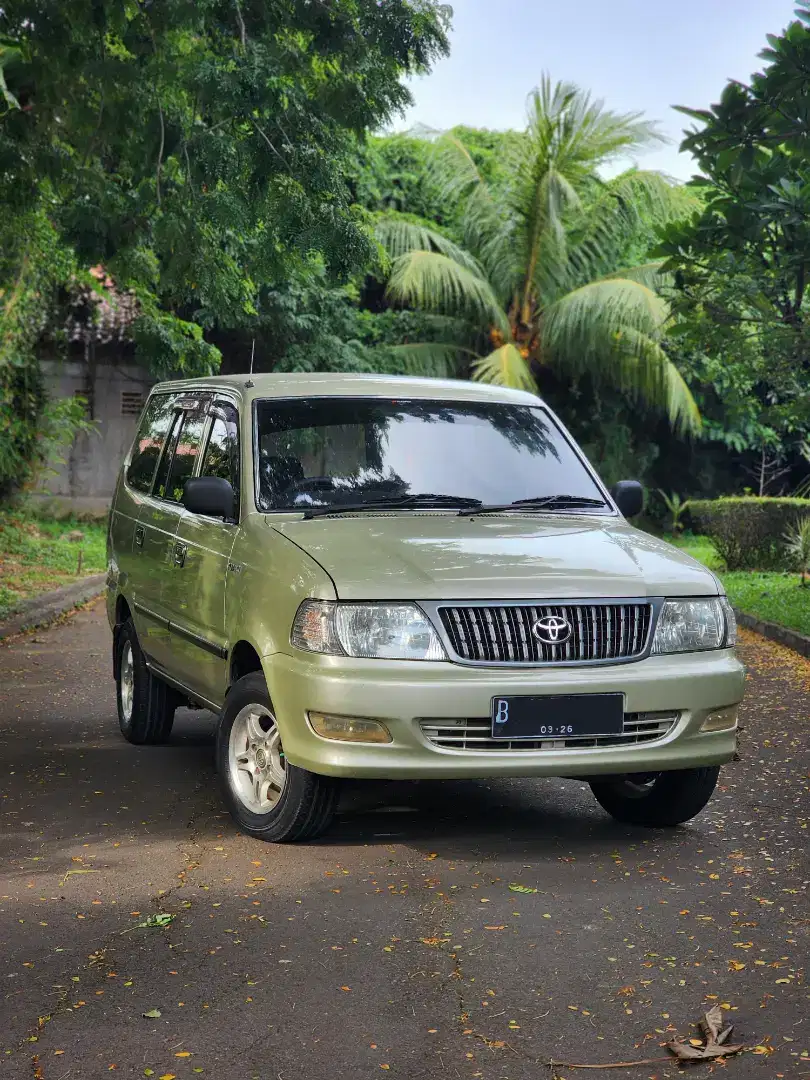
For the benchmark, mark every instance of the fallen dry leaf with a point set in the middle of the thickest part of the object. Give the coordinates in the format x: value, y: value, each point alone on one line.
x: 716, y: 1036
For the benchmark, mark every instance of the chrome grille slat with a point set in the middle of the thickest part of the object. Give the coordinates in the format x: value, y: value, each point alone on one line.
x: 491, y: 626
x: 475, y: 735
x: 502, y: 634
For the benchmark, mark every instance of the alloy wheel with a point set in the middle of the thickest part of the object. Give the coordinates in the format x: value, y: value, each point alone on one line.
x: 127, y: 681
x: 256, y: 765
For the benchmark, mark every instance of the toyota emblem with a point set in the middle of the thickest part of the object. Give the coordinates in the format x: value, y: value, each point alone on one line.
x: 552, y: 630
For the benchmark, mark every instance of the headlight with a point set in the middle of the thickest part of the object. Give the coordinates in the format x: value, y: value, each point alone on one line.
x: 381, y: 631
x: 695, y: 625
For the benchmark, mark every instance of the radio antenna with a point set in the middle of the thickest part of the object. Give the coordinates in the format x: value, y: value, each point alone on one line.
x: 252, y: 354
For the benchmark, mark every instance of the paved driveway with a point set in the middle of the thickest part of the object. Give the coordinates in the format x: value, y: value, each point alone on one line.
x: 394, y: 945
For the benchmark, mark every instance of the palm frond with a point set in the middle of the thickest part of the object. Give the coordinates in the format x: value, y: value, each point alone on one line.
x: 427, y: 358
x: 505, y: 366
x: 401, y: 233
x: 620, y: 209
x: 487, y: 228
x: 652, y: 195
x: 569, y: 137
x: 612, y: 328
x: 580, y: 131
x: 435, y: 282
x: 452, y: 168
x: 648, y: 274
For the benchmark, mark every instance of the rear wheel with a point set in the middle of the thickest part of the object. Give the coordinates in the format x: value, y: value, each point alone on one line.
x: 268, y: 797
x: 662, y: 799
x: 146, y: 706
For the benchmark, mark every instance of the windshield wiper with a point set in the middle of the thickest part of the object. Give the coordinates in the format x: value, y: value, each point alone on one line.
x: 392, y: 502
x: 537, y: 503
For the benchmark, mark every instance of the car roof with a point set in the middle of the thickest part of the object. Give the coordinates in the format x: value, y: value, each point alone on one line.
x: 332, y: 384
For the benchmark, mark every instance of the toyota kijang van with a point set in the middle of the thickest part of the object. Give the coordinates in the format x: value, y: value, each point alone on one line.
x: 377, y: 577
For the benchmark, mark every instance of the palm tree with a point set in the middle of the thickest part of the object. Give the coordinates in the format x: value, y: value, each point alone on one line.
x: 537, y: 273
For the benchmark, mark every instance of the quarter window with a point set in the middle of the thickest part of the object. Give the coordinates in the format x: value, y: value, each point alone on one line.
x: 149, y: 442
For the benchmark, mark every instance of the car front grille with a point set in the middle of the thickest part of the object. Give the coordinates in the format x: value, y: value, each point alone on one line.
x: 496, y: 634
x: 476, y: 735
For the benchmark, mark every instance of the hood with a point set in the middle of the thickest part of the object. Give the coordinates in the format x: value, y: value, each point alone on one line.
x: 412, y: 556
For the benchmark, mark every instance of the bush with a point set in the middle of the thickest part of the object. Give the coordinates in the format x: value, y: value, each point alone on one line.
x: 748, y: 531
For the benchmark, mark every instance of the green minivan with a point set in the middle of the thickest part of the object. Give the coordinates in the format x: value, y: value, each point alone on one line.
x: 377, y: 577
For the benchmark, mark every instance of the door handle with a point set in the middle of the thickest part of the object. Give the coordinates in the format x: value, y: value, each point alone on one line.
x: 139, y: 535
x: 180, y: 554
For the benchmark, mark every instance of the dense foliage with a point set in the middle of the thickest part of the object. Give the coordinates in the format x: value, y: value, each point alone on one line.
x: 538, y: 278
x: 215, y: 157
x: 748, y: 532
x: 742, y: 262
x: 197, y: 150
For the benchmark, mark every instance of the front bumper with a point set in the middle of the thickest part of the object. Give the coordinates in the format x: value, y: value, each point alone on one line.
x: 401, y: 693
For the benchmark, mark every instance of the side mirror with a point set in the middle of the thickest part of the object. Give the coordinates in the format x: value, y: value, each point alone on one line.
x: 629, y: 497
x: 210, y: 496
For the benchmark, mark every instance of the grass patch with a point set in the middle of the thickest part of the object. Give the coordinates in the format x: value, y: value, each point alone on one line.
x: 775, y: 597
x: 37, y: 556
x: 700, y: 548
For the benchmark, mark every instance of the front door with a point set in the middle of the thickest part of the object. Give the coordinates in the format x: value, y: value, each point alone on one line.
x: 203, y: 548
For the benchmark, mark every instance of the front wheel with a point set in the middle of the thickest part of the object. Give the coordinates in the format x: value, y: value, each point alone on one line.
x: 658, y: 800
x: 268, y: 797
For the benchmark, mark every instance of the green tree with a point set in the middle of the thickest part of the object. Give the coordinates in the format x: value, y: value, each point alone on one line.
x: 33, y: 267
x: 197, y: 149
x: 537, y: 273
x: 741, y: 263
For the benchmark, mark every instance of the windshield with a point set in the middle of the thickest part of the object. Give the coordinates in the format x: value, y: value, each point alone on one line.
x: 340, y: 451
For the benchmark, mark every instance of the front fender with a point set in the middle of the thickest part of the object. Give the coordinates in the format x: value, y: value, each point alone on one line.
x: 268, y: 578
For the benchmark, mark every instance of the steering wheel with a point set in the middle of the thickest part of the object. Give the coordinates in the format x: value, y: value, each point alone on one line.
x: 309, y: 484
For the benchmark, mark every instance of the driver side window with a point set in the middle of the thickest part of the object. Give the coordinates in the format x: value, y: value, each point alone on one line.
x: 299, y: 462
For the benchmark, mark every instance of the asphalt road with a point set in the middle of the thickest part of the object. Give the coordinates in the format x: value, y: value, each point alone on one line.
x: 394, y: 945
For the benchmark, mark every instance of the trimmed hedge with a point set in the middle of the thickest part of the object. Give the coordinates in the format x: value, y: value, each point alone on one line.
x: 748, y: 531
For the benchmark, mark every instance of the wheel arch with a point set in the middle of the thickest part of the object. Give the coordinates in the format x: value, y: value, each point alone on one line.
x: 122, y: 610
x: 244, y: 660
x: 123, y: 613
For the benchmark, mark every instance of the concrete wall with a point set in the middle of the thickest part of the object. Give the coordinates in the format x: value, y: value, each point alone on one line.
x: 115, y: 393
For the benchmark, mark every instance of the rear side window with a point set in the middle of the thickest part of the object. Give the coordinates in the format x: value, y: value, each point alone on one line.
x: 185, y: 455
x: 150, y: 441
x: 222, y: 453
x: 168, y: 455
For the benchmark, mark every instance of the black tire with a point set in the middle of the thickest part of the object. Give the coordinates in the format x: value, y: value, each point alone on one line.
x: 657, y: 800
x: 307, y: 803
x: 149, y: 718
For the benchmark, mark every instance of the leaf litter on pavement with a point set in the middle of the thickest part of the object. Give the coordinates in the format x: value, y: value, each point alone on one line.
x: 715, y: 1043
x: 742, y: 870
x: 712, y: 1046
x: 152, y: 922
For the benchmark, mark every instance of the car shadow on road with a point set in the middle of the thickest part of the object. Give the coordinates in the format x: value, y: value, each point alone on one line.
x: 93, y: 785
x: 486, y: 818
x: 466, y: 817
